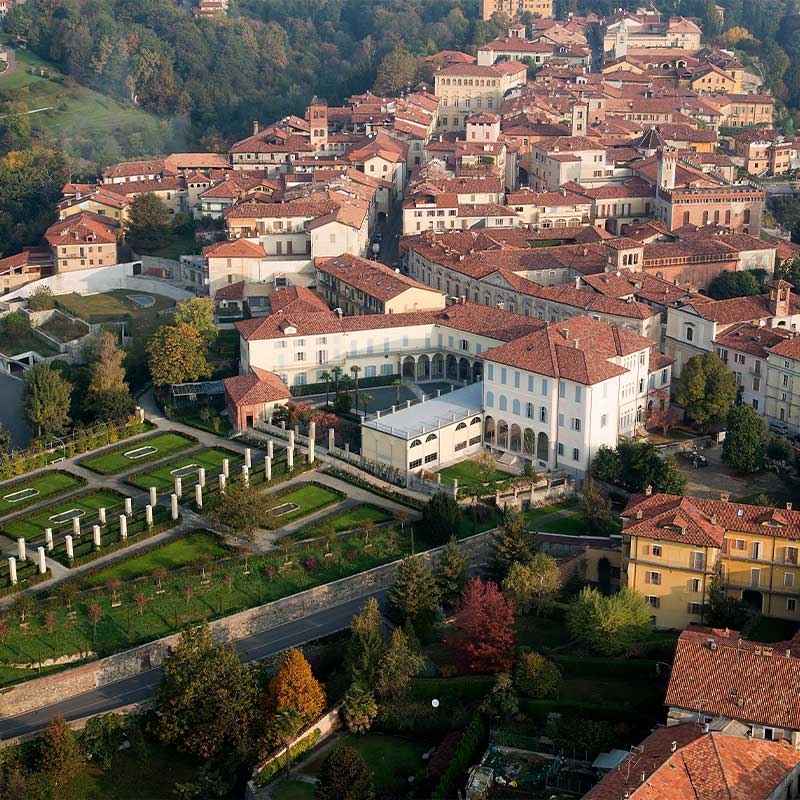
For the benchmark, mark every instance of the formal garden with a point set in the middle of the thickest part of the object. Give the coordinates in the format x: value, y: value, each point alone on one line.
x: 187, y: 468
x: 296, y: 502
x: 20, y: 494
x: 133, y: 454
x: 355, y: 518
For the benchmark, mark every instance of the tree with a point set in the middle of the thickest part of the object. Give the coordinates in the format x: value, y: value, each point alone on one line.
x: 396, y: 72
x: 780, y: 448
x: 344, y: 776
x: 61, y: 756
x: 149, y: 224
x: 176, y: 354
x: 512, y: 543
x: 597, y: 511
x: 441, y: 518
x: 450, y: 573
x: 359, y: 709
x: 723, y: 611
x: 366, y: 646
x: 206, y: 701
x: 486, y: 466
x: 5, y: 439
x: 95, y: 614
x: 47, y: 399
x: 283, y: 727
x: 534, y: 584
x: 609, y: 625
x: 296, y: 687
x: 730, y: 284
x: 398, y: 666
x: 355, y: 369
x: 326, y: 376
x: 198, y: 313
x: 413, y: 594
x: 642, y: 466
x: 706, y: 389
x: 108, y: 396
x: 140, y: 598
x: 484, y: 623
x: 241, y: 508
x: 501, y: 702
x: 537, y: 677
x: 745, y: 435
x: 41, y: 299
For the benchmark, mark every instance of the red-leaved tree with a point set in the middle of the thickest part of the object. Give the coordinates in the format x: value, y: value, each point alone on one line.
x: 484, y: 622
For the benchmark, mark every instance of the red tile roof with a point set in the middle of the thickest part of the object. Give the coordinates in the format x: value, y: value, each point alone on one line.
x: 84, y: 227
x: 234, y: 248
x: 752, y: 339
x: 259, y: 386
x: 296, y: 299
x: 233, y: 291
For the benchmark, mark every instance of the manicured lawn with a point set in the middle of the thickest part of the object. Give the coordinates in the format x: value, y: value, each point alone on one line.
x: 390, y: 758
x: 533, y: 515
x: 175, y: 608
x: 572, y: 524
x: 31, y: 526
x: 183, y: 551
x: 541, y: 633
x: 46, y: 485
x: 114, y: 461
x: 294, y: 790
x: 310, y: 498
x: 114, y: 306
x: 163, y: 478
x: 467, y: 472
x: 196, y: 421
x: 345, y: 521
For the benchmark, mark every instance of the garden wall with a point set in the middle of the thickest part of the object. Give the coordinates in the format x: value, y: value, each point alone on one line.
x: 70, y: 683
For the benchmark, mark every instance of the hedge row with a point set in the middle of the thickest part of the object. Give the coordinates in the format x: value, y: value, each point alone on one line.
x: 449, y: 691
x: 466, y: 753
x: 606, y: 667
x: 279, y: 762
x: 398, y: 497
x: 539, y: 709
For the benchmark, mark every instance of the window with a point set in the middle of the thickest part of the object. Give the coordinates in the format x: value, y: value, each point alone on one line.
x: 464, y: 344
x: 697, y: 585
x: 578, y: 396
x: 370, y: 372
x: 689, y: 333
x: 791, y: 604
x: 562, y: 389
x: 417, y: 462
x: 490, y: 399
x: 755, y: 577
x: 503, y: 375
x: 603, y: 420
x: 544, y: 387
x: 490, y: 371
x: 516, y: 380
x: 530, y: 383
x: 576, y: 454
x: 656, y: 550
x: 503, y: 403
x: 301, y: 356
x: 697, y: 560
x: 542, y: 414
x: 560, y: 449
x: 416, y: 443
x: 431, y: 457
x: 529, y: 410
x: 654, y: 601
x: 695, y: 608
x: 560, y: 420
x: 576, y: 424
x: 653, y: 577
x: 788, y: 579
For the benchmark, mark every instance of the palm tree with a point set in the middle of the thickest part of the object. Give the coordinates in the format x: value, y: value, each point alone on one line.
x: 284, y: 726
x: 355, y: 370
x: 336, y: 372
x: 397, y: 384
x: 366, y: 399
x: 326, y: 376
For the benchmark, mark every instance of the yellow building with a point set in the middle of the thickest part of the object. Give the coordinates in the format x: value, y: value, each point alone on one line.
x: 673, y: 545
x: 783, y: 383
x: 513, y: 8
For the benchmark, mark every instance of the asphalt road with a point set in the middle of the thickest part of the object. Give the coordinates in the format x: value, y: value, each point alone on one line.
x: 141, y: 687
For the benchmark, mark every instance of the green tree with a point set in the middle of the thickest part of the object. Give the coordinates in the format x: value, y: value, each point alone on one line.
x: 733, y: 284
x: 41, y: 299
x: 149, y: 225
x: 47, y: 399
x: 533, y: 585
x: 609, y: 625
x: 780, y: 448
x: 441, y: 518
x: 359, y: 709
x: 61, y: 755
x: 642, y: 466
x: 502, y: 702
x: 512, y: 543
x: 413, y: 595
x: 745, y: 435
x: 366, y: 647
x: 199, y: 314
x: 723, y: 611
x: 206, y: 701
x: 241, y: 508
x: 597, y: 511
x: 108, y: 396
x: 451, y: 573
x: 344, y: 776
x: 282, y: 728
x: 398, y: 666
x: 177, y: 354
x: 706, y: 389
x: 396, y: 72
x: 537, y: 677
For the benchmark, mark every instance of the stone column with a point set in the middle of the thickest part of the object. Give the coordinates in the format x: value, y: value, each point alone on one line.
x: 331, y: 439
x: 96, y: 536
x: 222, y: 483
x: 271, y: 448
x: 48, y: 538
x: 21, y: 553
x: 248, y: 458
x: 245, y: 475
x: 289, y: 459
x: 12, y: 570
x: 101, y: 514
x: 42, y: 560
x: 201, y: 477
x: 179, y: 487
x: 128, y: 506
x: 70, y: 551
x: 268, y: 468
x: 148, y: 515
x: 76, y: 527
x: 455, y: 487
x: 291, y: 439
x: 312, y: 433
x: 123, y: 527
x: 173, y: 505
x: 226, y: 467
x: 153, y: 496
x: 283, y: 424
x: 198, y: 495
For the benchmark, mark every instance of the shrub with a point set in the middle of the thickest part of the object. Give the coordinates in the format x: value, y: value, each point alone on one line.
x: 536, y: 677
x: 310, y: 564
x: 277, y: 764
x: 471, y: 744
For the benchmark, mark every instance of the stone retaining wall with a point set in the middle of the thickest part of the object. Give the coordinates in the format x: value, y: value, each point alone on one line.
x: 56, y: 688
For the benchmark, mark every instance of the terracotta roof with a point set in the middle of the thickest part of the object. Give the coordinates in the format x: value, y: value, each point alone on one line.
x: 753, y: 339
x: 738, y: 309
x: 579, y: 349
x: 790, y: 348
x: 233, y: 291
x: 78, y: 228
x: 235, y: 248
x: 682, y: 762
x: 129, y: 168
x: 258, y: 386
x: 294, y: 299
x: 719, y: 673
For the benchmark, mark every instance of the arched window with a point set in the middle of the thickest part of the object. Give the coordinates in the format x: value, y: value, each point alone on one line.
x: 475, y: 421
x: 503, y: 403
x: 461, y: 426
x: 431, y: 438
x: 490, y: 399
x: 416, y: 443
x: 515, y: 407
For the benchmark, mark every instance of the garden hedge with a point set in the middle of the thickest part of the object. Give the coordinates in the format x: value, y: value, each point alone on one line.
x: 465, y: 754
x: 279, y: 762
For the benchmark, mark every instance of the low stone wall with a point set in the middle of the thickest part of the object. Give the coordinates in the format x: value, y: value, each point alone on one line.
x: 56, y: 688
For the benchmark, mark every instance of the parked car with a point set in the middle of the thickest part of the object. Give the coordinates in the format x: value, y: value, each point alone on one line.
x: 695, y: 459
x: 781, y: 428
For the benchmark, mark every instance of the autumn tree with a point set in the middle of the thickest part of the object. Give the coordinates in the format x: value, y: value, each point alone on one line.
x: 484, y: 628
x: 398, y: 666
x: 296, y: 687
x: 706, y: 389
x: 47, y: 399
x: 366, y: 647
x: 206, y: 701
x: 344, y: 776
x: 450, y: 573
x: 396, y: 72
x: 536, y: 677
x: 177, y: 354
x: 241, y: 508
x: 745, y: 438
x: 95, y: 614
x: 108, y: 396
x: 198, y: 313
x: 533, y: 585
x: 149, y: 224
x: 413, y: 595
x: 512, y: 542
x: 61, y: 756
x: 609, y: 625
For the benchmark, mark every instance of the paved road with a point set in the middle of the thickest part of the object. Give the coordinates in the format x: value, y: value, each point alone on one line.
x: 140, y: 687
x: 11, y: 413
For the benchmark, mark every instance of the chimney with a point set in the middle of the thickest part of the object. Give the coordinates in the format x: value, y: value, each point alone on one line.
x: 673, y: 746
x: 648, y: 491
x: 725, y: 496
x: 788, y: 506
x: 255, y: 127
x: 575, y: 344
